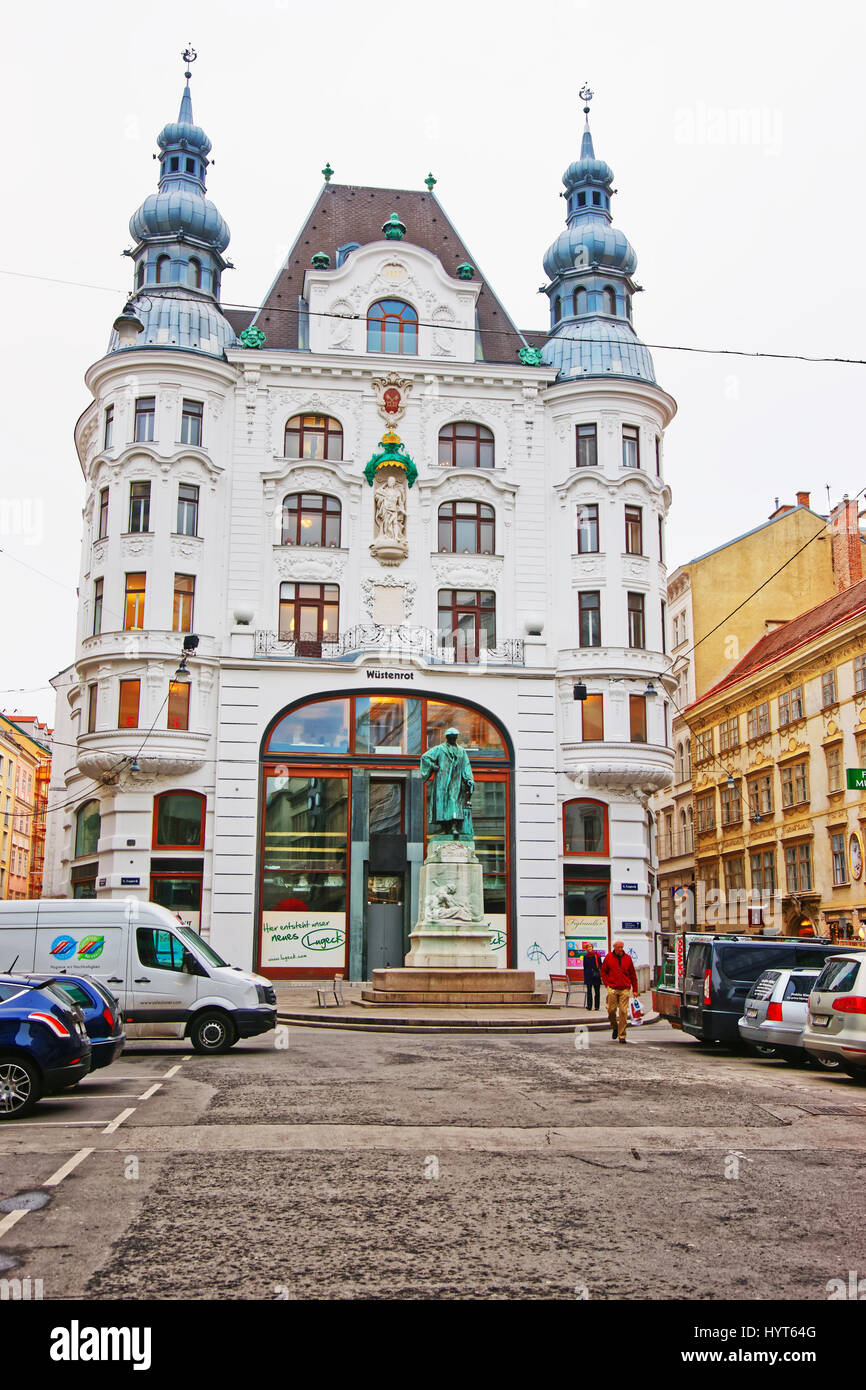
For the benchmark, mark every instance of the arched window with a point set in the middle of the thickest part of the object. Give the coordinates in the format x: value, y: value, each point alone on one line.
x: 466, y: 445
x: 314, y: 437
x: 580, y: 302
x: 609, y: 300
x: 178, y: 820
x: 311, y: 518
x: 139, y: 275
x: 194, y: 273
x: 86, y: 828
x: 628, y: 306
x: 584, y: 827
x: 688, y: 757
x: 392, y: 326
x: 557, y: 309
x: 681, y: 762
x: 163, y: 269
x: 467, y: 528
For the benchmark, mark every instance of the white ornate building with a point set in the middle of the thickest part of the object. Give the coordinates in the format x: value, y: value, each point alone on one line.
x: 369, y: 510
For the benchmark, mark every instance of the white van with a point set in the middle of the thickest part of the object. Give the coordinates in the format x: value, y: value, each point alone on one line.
x: 170, y: 983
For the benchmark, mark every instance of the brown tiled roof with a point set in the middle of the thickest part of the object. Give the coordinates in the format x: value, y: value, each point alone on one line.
x: 343, y: 213
x: 795, y: 633
x: 239, y: 318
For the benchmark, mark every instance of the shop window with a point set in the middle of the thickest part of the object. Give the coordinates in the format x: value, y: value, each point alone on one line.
x: 392, y: 326
x: 176, y: 884
x: 178, y: 820
x: 306, y: 830
x: 311, y: 518
x: 83, y: 880
x: 314, y: 437
x: 478, y: 735
x: 87, y: 828
x: 466, y: 445
x: 319, y: 727
x: 387, y: 724
x: 584, y: 827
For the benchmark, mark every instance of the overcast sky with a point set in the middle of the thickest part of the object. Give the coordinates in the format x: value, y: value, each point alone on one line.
x: 736, y: 134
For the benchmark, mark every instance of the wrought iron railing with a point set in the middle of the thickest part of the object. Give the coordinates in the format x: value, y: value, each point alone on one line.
x: 395, y: 642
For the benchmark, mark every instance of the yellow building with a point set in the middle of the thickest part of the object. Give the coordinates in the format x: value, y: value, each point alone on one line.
x: 773, y: 814
x: 8, y: 782
x: 24, y: 776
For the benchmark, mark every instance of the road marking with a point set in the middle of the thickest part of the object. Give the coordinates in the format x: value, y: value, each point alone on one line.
x: 172, y: 1071
x: 118, y: 1120
x: 146, y: 1095
x: 9, y: 1221
x: 67, y: 1168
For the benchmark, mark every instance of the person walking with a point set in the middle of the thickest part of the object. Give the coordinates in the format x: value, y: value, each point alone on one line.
x: 592, y: 978
x: 618, y: 974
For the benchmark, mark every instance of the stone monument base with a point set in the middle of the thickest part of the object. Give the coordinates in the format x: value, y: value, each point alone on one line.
x: 453, y: 988
x: 451, y: 931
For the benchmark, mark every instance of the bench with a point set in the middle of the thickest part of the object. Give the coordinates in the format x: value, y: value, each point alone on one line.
x: 331, y: 987
x: 562, y: 982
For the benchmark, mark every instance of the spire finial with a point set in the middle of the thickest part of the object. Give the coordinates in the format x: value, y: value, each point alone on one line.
x: 586, y: 95
x: 189, y: 56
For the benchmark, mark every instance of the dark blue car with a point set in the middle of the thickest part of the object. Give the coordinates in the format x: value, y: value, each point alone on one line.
x: 44, y: 1047
x: 102, y: 1016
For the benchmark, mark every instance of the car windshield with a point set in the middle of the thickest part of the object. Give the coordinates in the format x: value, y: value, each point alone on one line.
x: 838, y: 976
x: 191, y: 938
x: 799, y: 987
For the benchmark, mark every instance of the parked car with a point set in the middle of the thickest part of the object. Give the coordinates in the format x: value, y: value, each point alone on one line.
x: 836, y: 1026
x: 720, y: 971
x: 44, y: 1047
x: 774, y: 1019
x: 102, y: 1016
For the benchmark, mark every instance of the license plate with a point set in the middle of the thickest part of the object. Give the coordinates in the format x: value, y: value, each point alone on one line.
x: 820, y: 1020
x: 751, y: 1013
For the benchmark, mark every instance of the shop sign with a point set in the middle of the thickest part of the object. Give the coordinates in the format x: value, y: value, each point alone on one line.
x: 856, y: 777
x: 304, y: 939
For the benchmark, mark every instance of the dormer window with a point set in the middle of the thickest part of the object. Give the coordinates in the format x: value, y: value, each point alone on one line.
x: 392, y: 326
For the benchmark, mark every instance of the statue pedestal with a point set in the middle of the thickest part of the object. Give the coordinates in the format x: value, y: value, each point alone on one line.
x: 451, y: 931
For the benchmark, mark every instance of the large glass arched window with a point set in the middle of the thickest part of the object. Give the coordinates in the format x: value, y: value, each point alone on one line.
x: 314, y: 437
x: 467, y: 528
x: 466, y: 445
x: 311, y: 518
x: 86, y: 828
x: 178, y: 820
x: 392, y: 326
x: 584, y: 824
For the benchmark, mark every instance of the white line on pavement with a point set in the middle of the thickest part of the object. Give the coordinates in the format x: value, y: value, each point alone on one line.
x: 118, y: 1120
x: 146, y: 1095
x: 9, y: 1221
x: 67, y: 1168
x: 172, y: 1071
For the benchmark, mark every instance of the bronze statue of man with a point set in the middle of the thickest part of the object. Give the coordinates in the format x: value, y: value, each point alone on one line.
x: 449, y: 798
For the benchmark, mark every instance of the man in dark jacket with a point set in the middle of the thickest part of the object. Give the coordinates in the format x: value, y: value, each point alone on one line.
x: 618, y: 974
x: 592, y: 977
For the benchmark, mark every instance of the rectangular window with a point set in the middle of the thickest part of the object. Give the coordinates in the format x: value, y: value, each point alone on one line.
x: 763, y: 868
x: 187, y: 509
x: 860, y: 674
x: 589, y: 618
x: 828, y: 688
x: 790, y: 706
x: 98, y: 585
x: 139, y: 507
x: 636, y: 623
x: 834, y: 767
x: 587, y: 446
x: 637, y: 718
x: 108, y: 427
x: 661, y: 540
x: 630, y: 446
x: 127, y: 713
x: 732, y: 811
x: 309, y: 616
x: 145, y: 419
x: 735, y: 878
x: 102, y: 524
x: 467, y: 621
x: 729, y: 734
x: 795, y: 784
x: 704, y: 746
x: 92, y: 699
x: 192, y: 414
x: 758, y: 721
x: 664, y: 613
x: 133, y: 619
x: 761, y: 795
x: 798, y: 867
x: 593, y: 719
x: 658, y: 456
x: 587, y: 529
x: 178, y: 705
x: 184, y: 599
x: 706, y: 811
x: 633, y: 531
x: 840, y: 862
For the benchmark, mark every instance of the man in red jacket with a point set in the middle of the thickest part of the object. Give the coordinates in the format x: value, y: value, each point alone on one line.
x: 618, y: 974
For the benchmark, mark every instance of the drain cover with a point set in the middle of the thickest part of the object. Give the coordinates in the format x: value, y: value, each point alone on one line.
x: 26, y: 1201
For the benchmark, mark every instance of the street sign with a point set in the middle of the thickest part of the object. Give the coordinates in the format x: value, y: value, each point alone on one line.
x: 856, y: 779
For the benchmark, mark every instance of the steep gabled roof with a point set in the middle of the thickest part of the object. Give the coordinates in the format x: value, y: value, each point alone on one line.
x: 343, y: 214
x: 791, y: 635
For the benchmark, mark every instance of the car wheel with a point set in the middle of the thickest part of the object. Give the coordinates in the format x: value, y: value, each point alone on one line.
x: 763, y: 1050
x: 212, y: 1032
x: 823, y: 1063
x: 19, y: 1087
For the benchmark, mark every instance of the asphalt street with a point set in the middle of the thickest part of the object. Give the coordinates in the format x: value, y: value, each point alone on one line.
x: 347, y: 1165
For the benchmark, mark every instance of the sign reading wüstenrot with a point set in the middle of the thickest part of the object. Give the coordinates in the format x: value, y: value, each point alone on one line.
x: 375, y: 673
x: 856, y: 779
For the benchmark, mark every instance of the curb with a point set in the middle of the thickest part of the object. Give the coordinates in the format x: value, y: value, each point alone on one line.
x: 466, y: 1027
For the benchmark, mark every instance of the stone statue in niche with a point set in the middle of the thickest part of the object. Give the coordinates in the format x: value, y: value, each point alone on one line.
x: 389, y: 545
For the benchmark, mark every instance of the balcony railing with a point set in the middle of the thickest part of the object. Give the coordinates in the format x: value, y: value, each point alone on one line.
x: 394, y: 642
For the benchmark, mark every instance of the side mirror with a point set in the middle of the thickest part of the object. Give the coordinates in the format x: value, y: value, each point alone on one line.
x: 190, y: 964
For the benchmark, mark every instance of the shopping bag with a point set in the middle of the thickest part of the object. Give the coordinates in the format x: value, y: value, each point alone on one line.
x: 635, y: 1011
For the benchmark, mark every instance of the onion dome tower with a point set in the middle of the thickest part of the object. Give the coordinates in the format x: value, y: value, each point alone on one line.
x: 180, y: 238
x: 590, y: 268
